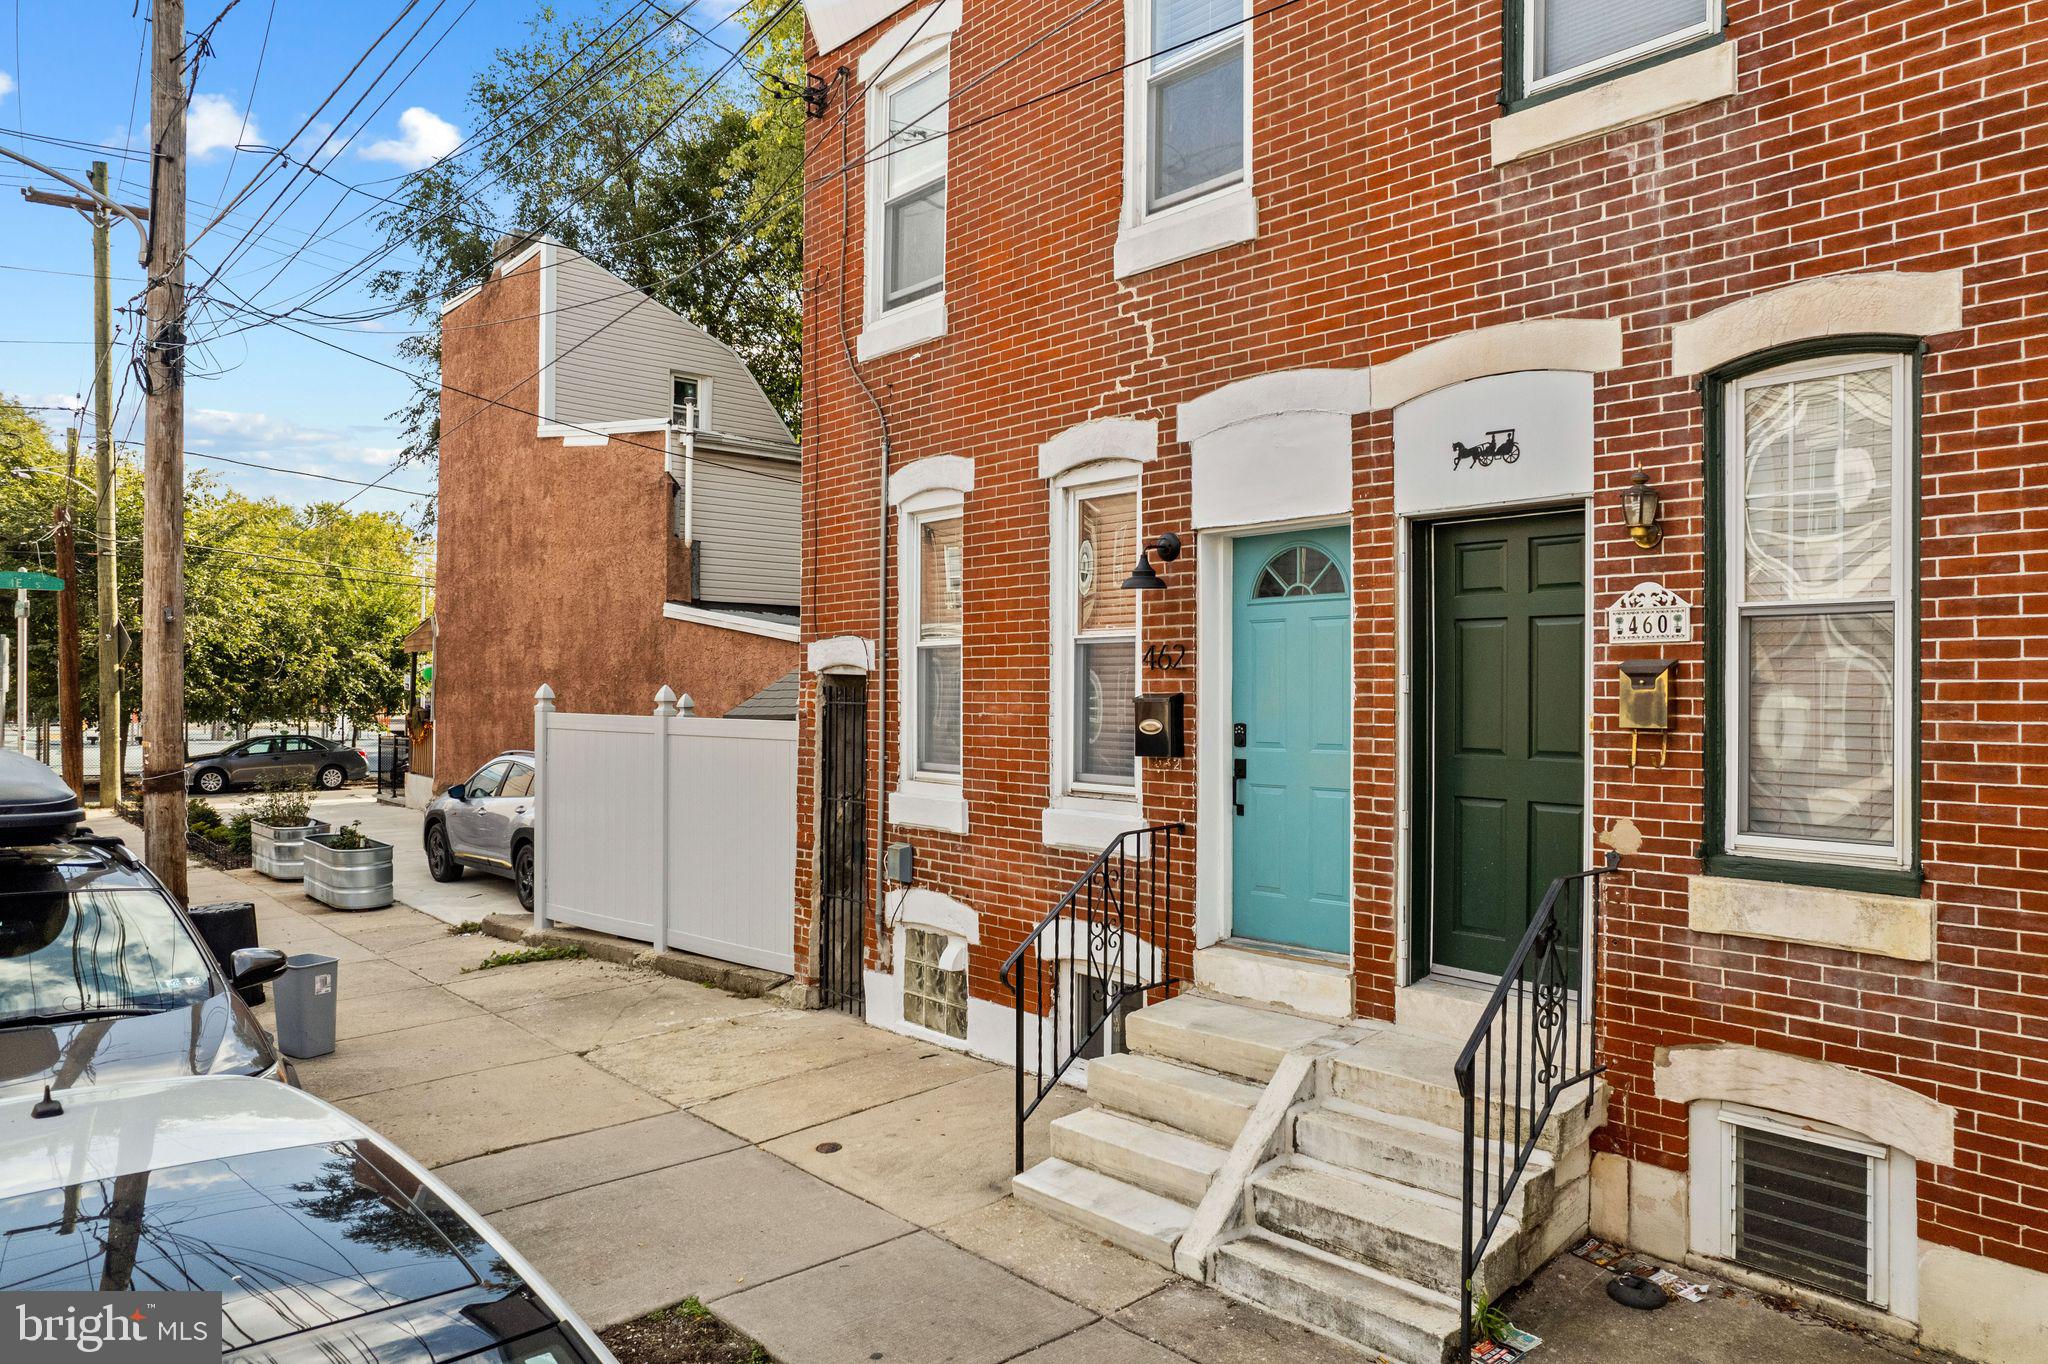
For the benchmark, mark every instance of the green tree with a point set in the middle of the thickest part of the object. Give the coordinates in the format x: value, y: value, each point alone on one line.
x: 616, y: 133
x: 291, y: 613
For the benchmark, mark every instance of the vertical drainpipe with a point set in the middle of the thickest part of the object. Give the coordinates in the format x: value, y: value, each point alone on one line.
x: 881, y: 674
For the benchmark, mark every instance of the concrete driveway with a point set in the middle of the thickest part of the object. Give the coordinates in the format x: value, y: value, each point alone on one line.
x: 465, y: 901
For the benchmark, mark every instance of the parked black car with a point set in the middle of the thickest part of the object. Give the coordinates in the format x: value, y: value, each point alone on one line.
x: 103, y: 975
x: 293, y: 759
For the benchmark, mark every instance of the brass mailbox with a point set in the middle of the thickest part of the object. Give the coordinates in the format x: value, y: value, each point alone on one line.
x: 1645, y: 700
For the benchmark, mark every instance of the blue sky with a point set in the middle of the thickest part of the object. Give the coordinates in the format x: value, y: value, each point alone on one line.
x: 70, y: 70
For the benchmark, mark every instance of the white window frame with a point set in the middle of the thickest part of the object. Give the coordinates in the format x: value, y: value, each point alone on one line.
x: 703, y: 399
x: 920, y: 44
x: 1893, y: 1207
x: 1200, y: 220
x: 924, y: 797
x: 1532, y: 30
x: 1119, y: 803
x: 1905, y: 570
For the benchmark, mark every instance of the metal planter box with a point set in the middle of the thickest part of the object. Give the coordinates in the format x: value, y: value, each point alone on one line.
x: 348, y: 878
x: 276, y: 850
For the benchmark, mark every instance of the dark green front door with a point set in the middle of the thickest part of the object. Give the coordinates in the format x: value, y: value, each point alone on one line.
x: 1506, y: 728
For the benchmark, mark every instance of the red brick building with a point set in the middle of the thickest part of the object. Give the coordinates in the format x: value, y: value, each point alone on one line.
x: 1383, y: 309
x: 617, y: 512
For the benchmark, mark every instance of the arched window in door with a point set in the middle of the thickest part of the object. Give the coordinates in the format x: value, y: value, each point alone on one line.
x: 1299, y: 571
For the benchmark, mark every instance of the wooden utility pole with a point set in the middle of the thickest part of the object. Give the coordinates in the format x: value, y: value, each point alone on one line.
x: 70, y: 715
x: 163, y: 479
x: 105, y: 558
x: 96, y: 206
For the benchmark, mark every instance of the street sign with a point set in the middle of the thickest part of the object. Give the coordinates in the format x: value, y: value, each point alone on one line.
x: 25, y: 580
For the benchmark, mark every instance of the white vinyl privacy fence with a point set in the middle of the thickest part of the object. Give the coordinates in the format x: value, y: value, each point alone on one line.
x: 668, y: 828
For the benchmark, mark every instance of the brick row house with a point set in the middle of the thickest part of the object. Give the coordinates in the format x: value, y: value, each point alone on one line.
x: 618, y: 509
x: 1347, y: 537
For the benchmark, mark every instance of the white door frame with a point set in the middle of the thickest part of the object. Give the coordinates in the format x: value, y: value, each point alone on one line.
x: 1215, y: 810
x: 1407, y: 950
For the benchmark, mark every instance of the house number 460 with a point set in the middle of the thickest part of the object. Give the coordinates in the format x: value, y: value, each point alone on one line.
x: 1165, y: 657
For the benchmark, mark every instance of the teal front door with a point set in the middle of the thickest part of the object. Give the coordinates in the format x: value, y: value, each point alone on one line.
x: 1290, y: 674
x: 1503, y: 688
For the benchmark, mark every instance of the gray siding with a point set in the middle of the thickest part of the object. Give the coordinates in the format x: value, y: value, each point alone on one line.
x: 615, y: 350
x: 748, y: 527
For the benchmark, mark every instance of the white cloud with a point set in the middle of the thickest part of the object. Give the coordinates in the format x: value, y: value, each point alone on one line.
x: 424, y: 138
x: 6, y: 85
x: 287, y: 446
x: 213, y: 124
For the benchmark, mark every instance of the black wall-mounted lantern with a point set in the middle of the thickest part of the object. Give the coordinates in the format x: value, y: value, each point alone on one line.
x: 1639, y: 511
x: 1145, y: 578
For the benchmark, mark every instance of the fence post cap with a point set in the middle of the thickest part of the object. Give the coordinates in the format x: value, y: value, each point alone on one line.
x: 665, y: 701
x: 688, y: 706
x: 545, y: 693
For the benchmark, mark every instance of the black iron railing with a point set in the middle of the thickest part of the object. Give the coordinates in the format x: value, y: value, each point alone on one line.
x: 1536, y: 1040
x: 1093, y: 958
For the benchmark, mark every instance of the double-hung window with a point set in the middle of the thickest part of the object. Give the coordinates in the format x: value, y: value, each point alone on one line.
x: 686, y: 403
x: 1193, y: 98
x: 1099, y: 624
x: 935, y: 640
x: 1554, y: 44
x: 912, y: 174
x: 1817, y: 612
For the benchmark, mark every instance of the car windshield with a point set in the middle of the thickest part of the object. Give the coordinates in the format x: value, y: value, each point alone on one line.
x: 89, y: 950
x: 296, y: 1242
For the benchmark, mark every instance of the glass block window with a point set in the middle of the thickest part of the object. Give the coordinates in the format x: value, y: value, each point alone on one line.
x: 1819, y: 572
x: 1302, y: 571
x: 1805, y: 1211
x: 932, y: 998
x: 1194, y: 98
x: 1567, y: 39
x: 1104, y: 642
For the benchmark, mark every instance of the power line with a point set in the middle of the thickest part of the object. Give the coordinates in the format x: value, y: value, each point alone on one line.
x: 534, y: 123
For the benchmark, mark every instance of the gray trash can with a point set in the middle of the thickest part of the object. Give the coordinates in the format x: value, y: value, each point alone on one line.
x: 305, y: 1005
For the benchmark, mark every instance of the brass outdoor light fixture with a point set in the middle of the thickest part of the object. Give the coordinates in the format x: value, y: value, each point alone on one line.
x: 1639, y: 509
x: 1145, y: 578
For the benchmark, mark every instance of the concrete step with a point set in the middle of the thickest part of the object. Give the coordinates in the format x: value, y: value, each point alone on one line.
x: 1234, y: 1039
x: 1410, y: 1151
x: 1263, y: 976
x: 1211, y: 1108
x: 1411, y: 1074
x: 1405, y: 1232
x: 1140, y: 1221
x: 1393, y: 1320
x: 1155, y: 1159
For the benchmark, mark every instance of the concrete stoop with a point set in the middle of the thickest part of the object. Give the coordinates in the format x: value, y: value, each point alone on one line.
x: 1344, y: 1217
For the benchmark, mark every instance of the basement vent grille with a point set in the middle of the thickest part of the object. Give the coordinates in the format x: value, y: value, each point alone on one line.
x: 1805, y: 1211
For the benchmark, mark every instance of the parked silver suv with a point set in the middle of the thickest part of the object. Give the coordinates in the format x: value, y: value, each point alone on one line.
x: 486, y: 823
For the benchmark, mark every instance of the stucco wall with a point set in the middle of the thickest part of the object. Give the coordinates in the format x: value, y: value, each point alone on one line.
x: 553, y: 559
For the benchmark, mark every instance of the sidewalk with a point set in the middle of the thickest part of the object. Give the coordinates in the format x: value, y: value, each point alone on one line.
x: 467, y: 900
x: 837, y: 1192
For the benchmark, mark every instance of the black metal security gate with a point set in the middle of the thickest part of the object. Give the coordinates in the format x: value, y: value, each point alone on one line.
x: 842, y: 840
x: 394, y: 760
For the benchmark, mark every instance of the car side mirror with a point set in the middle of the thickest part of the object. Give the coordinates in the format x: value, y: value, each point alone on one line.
x: 257, y: 965
x: 458, y: 792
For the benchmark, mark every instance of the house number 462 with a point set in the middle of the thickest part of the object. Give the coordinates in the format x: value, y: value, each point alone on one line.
x: 1165, y: 657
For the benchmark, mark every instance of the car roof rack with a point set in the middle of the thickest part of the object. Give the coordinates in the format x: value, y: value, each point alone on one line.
x: 34, y: 801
